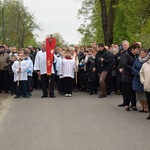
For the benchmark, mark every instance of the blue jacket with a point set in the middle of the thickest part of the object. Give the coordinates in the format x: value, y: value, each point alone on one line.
x: 136, y: 84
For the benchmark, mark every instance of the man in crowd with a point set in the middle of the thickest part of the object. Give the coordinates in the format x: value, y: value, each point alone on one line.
x: 109, y: 75
x: 40, y: 67
x: 4, y: 60
x: 125, y: 46
x: 13, y: 51
x: 102, y: 67
x: 93, y: 45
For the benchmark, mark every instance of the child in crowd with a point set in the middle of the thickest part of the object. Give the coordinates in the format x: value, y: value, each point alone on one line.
x: 20, y: 68
x: 29, y: 73
x: 67, y: 72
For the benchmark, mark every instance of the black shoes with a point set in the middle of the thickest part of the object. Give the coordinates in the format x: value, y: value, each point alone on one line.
x: 102, y: 95
x: 141, y: 111
x: 75, y: 90
x: 52, y: 96
x: 121, y: 105
x: 127, y: 108
x: 44, y: 96
x: 109, y: 93
x: 134, y: 108
x: 22, y: 96
x: 91, y: 93
x: 148, y: 118
x: 61, y: 93
x: 17, y: 97
x: 118, y: 92
x: 27, y: 96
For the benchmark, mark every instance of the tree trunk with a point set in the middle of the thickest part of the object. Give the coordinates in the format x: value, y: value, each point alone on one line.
x: 108, y: 20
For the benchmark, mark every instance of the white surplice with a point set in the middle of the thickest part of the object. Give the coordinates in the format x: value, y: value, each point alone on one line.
x: 41, y: 64
x: 24, y: 67
x: 68, y: 67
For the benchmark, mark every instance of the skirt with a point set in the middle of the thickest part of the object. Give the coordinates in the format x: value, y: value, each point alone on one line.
x: 140, y: 96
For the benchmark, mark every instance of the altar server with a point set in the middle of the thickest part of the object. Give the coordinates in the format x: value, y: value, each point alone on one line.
x: 68, y: 67
x: 29, y: 73
x: 20, y: 68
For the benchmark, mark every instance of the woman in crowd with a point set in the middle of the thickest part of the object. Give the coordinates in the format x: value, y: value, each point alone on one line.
x: 91, y: 73
x: 127, y: 76
x: 136, y: 84
x: 145, y: 80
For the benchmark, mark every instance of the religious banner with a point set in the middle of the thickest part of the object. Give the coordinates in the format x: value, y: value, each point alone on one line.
x: 50, y: 46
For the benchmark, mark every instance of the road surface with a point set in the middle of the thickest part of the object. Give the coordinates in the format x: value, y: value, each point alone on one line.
x: 80, y: 122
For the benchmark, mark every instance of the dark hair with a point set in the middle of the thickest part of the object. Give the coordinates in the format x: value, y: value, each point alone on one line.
x: 38, y: 48
x: 90, y: 49
x: 86, y: 51
x: 1, y: 46
x: 21, y: 49
x: 101, y: 45
x: 134, y: 46
x: 26, y: 53
x: 12, y: 55
x: 68, y: 51
x: 143, y: 50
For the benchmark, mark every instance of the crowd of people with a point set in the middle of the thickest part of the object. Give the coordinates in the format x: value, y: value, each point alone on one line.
x: 123, y: 69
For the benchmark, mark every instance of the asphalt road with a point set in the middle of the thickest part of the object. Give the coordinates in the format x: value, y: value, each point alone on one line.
x: 81, y: 122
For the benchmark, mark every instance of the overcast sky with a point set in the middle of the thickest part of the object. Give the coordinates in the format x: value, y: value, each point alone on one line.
x: 56, y: 16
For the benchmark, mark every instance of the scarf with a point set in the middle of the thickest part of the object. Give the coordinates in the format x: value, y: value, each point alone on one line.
x: 143, y: 60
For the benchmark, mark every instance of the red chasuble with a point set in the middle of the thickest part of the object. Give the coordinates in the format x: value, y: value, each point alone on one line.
x: 50, y: 45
